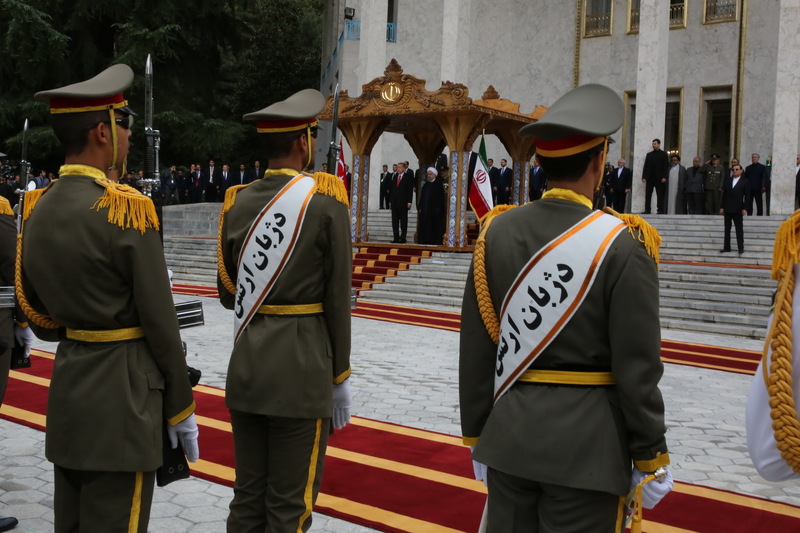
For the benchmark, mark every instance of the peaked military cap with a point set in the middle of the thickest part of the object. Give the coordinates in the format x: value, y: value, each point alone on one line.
x: 100, y: 93
x: 296, y: 113
x: 578, y: 121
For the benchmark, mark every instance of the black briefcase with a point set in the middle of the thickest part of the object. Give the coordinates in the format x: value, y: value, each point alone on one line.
x: 175, y: 466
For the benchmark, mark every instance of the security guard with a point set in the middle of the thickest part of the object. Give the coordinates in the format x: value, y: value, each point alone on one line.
x: 712, y: 184
x: 285, y: 270
x: 560, y: 342
x: 93, y: 277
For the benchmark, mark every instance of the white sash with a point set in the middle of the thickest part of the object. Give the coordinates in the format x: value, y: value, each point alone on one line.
x: 268, y: 246
x: 547, y: 292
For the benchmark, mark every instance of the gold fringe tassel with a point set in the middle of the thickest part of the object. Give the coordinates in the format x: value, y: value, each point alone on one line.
x: 127, y: 207
x: 5, y: 207
x: 330, y: 185
x: 230, y: 196
x: 485, y: 305
x: 230, y: 199
x: 642, y: 231
x: 29, y: 201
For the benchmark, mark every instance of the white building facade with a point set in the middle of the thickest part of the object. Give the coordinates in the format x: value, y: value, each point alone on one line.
x: 704, y: 76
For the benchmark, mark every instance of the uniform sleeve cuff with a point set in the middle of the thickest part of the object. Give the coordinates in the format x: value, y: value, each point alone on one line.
x: 662, y: 459
x: 341, y: 377
x: 183, y: 415
x: 470, y: 441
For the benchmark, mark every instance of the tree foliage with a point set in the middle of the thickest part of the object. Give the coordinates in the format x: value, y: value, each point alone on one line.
x: 213, y: 61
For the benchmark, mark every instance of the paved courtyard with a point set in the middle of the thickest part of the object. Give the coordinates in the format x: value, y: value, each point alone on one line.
x: 412, y: 382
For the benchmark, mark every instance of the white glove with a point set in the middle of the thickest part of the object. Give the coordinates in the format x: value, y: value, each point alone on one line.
x: 185, y: 430
x: 24, y: 338
x: 655, y: 490
x: 342, y: 400
x: 479, y: 469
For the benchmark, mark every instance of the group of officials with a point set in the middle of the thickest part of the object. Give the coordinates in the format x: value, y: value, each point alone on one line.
x: 547, y: 336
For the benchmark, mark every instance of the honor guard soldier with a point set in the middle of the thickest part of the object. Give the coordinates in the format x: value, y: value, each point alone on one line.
x: 285, y: 270
x: 560, y: 342
x: 92, y: 275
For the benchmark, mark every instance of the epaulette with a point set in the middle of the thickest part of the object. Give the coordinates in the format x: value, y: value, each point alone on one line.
x: 786, y: 252
x: 230, y: 197
x: 330, y: 185
x: 642, y: 231
x: 127, y: 207
x: 486, y: 219
x: 29, y: 201
x: 5, y: 207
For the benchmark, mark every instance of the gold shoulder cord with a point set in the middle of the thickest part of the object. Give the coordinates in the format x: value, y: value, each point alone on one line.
x: 485, y: 305
x: 778, y: 374
x: 331, y: 185
x: 41, y: 320
x: 230, y: 199
x: 642, y: 231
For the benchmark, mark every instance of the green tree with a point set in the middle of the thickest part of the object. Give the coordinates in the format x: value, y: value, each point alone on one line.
x: 213, y: 61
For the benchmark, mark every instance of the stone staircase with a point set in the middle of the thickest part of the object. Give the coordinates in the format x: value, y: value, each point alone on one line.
x: 702, y: 290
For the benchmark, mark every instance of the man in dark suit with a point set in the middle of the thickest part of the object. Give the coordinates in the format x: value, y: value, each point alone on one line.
x: 621, y: 182
x: 211, y: 178
x: 227, y: 179
x: 196, y: 185
x: 756, y: 175
x: 654, y: 175
x: 386, y: 177
x: 255, y: 173
x: 538, y: 181
x: 243, y: 175
x: 401, y: 192
x: 736, y: 196
x: 504, y: 183
x: 494, y: 177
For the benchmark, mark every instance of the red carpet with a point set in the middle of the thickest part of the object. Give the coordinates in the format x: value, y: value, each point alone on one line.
x: 400, y: 479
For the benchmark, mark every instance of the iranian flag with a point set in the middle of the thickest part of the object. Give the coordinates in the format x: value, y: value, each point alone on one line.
x: 340, y: 170
x: 480, y: 194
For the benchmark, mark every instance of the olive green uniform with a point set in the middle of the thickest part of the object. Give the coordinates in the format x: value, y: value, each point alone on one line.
x: 712, y: 185
x: 566, y: 436
x: 8, y: 254
x: 282, y: 368
x: 108, y: 400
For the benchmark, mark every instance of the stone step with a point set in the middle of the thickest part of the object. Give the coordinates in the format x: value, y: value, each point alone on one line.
x: 405, y: 298
x: 721, y: 297
x: 695, y: 290
x: 682, y: 312
x: 415, y: 281
x: 737, y: 331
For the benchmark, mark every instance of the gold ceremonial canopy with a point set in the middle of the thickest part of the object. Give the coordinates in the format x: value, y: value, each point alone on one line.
x: 400, y: 103
x: 430, y: 121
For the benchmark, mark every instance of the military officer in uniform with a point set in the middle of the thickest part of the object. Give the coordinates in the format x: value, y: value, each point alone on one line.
x: 94, y: 278
x: 712, y: 184
x: 558, y: 380
x: 8, y: 249
x: 285, y: 271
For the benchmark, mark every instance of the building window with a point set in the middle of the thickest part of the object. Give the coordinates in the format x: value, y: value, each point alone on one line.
x: 633, y: 16
x: 598, y: 18
x: 677, y: 14
x: 720, y: 11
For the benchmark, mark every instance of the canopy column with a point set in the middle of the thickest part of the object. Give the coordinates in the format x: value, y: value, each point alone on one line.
x: 361, y: 135
x: 521, y: 150
x: 460, y: 131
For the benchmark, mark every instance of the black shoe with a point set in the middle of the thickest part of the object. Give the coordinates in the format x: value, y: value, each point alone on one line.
x: 724, y: 251
x: 741, y: 252
x: 8, y: 523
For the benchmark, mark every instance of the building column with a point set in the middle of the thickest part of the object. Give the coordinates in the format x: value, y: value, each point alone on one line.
x: 651, y: 89
x: 786, y: 124
x: 455, y: 40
